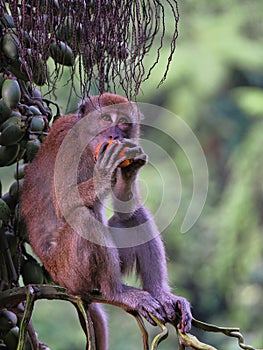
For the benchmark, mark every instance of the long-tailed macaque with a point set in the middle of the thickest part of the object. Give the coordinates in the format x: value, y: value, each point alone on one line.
x: 83, y: 265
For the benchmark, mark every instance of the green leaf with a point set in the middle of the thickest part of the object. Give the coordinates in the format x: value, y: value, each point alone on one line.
x: 249, y: 100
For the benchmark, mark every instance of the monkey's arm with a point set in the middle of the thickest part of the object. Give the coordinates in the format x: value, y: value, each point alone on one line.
x: 150, y: 257
x: 151, y: 266
x: 126, y: 194
x: 86, y: 193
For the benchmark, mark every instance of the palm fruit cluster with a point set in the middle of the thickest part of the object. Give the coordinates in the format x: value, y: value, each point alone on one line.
x: 26, y: 48
x: 8, y: 329
x: 25, y: 118
x: 9, y: 332
x: 103, y: 42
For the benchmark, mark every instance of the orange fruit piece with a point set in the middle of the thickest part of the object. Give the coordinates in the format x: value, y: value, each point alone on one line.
x: 125, y: 163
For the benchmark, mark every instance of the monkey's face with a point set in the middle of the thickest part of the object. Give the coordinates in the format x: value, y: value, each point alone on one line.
x: 111, y: 122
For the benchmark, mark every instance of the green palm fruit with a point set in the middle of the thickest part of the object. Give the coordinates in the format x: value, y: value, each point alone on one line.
x: 12, y: 241
x: 32, y: 147
x: 20, y: 171
x: 11, y: 93
x: 7, y: 21
x: 32, y: 273
x: 4, y: 210
x: 11, y: 202
x: 20, y: 69
x: 37, y: 124
x: 61, y: 53
x: 11, y: 338
x: 10, y: 46
x: 13, y: 120
x: 36, y: 93
x: 34, y: 110
x: 8, y: 319
x: 5, y: 111
x: 15, y: 189
x: 11, y: 135
x: 9, y: 154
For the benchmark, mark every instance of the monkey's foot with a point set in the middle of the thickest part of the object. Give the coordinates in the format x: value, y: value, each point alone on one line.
x: 141, y: 301
x: 149, y: 306
x: 178, y: 311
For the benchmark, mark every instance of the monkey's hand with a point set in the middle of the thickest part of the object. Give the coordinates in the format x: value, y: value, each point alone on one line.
x: 108, y: 160
x: 139, y: 159
x: 133, y: 299
x: 178, y: 310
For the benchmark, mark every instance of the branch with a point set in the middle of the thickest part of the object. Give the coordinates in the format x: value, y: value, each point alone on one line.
x: 87, y: 324
x: 192, y: 342
x: 12, y: 297
x: 145, y: 335
x: 160, y: 336
x: 228, y: 331
x: 29, y: 305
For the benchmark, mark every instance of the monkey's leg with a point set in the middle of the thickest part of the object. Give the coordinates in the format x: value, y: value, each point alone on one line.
x: 99, y: 320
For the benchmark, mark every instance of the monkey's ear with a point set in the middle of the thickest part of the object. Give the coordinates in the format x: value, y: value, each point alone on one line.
x: 88, y: 105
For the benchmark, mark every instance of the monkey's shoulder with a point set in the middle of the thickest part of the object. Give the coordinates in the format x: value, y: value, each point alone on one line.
x: 63, y: 124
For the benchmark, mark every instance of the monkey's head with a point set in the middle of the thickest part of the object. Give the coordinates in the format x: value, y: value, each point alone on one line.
x: 110, y: 117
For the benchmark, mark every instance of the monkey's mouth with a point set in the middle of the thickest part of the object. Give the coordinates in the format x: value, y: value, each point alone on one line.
x: 101, y: 147
x: 104, y: 146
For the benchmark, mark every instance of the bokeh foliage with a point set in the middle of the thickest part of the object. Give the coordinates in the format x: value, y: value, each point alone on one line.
x: 216, y: 86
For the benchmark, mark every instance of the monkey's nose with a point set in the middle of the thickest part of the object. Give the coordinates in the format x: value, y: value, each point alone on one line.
x: 116, y: 137
x: 113, y: 133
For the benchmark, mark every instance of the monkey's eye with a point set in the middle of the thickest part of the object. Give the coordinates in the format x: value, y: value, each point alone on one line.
x: 123, y: 120
x: 106, y: 117
x: 124, y: 123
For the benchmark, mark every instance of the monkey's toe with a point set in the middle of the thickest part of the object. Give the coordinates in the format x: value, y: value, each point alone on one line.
x: 153, y: 307
x: 186, y: 316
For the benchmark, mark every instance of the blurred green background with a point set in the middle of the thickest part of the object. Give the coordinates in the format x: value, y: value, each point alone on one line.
x: 215, y: 84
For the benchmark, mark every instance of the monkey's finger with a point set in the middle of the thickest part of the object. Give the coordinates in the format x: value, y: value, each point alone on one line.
x: 138, y: 162
x: 148, y: 318
x: 186, y: 316
x: 169, y: 308
x: 115, y: 154
x: 110, y: 155
x: 129, y: 143
x: 153, y: 308
x: 101, y: 159
x: 146, y: 313
x: 133, y: 152
x: 102, y: 149
x: 142, y: 158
